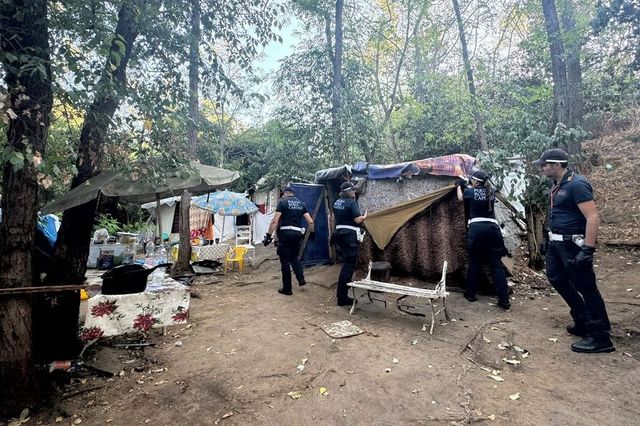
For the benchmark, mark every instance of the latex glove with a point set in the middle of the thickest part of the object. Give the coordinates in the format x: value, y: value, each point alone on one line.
x: 267, y: 239
x: 584, y: 257
x: 462, y: 183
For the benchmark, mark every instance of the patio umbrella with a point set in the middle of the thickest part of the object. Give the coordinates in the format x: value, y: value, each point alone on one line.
x: 225, y: 203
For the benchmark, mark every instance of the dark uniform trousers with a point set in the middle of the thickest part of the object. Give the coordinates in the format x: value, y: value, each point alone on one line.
x: 289, y: 242
x: 485, y: 245
x: 577, y: 286
x: 347, y: 244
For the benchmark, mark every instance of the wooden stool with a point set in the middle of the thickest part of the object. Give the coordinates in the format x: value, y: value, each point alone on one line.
x: 381, y: 271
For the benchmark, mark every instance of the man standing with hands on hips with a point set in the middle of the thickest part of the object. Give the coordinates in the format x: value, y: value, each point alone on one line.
x: 289, y: 213
x: 573, y: 231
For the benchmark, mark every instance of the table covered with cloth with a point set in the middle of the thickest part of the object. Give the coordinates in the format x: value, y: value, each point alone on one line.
x: 213, y: 252
x: 158, y: 306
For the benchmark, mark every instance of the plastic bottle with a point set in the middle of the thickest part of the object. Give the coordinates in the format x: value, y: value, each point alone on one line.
x: 149, y: 248
x: 127, y: 255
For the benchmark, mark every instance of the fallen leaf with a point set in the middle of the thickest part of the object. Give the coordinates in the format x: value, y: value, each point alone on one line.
x: 503, y: 345
x: 323, y: 391
x: 395, y: 360
x: 415, y: 391
x: 629, y: 289
x: 627, y: 354
x: 518, y: 348
x: 485, y: 339
x: 178, y: 343
x: 414, y: 342
x: 515, y: 396
x: 496, y: 378
x: 304, y: 360
x: 300, y: 367
x: 78, y: 421
x: 424, y: 327
x: 486, y: 369
x: 511, y: 361
x: 209, y: 348
x: 525, y: 355
x: 287, y: 333
x: 495, y: 328
x: 295, y: 394
x: 59, y: 419
x: 491, y: 417
x: 387, y: 370
x: 553, y: 339
x: 229, y: 414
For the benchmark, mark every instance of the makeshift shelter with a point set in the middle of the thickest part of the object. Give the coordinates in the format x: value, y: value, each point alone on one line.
x: 415, y: 220
x: 266, y: 198
x: 200, y: 179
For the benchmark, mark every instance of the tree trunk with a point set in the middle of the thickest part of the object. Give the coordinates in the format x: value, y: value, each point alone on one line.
x: 477, y: 116
x: 72, y: 247
x: 30, y: 98
x: 575, y: 95
x: 194, y: 59
x: 535, y: 237
x: 184, y: 253
x: 558, y: 65
x: 336, y: 124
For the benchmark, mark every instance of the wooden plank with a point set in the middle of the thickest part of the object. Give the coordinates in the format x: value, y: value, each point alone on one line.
x: 393, y: 288
x: 43, y: 289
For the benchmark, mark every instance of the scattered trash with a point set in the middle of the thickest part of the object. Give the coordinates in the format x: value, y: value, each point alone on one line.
x: 395, y: 360
x: 224, y: 416
x: 491, y: 417
x: 424, y: 327
x: 387, y: 370
x: 323, y: 391
x: 553, y: 339
x: 295, y: 394
x: 504, y: 345
x: 496, y: 378
x: 515, y: 396
x: 178, y: 343
x: 511, y: 361
x: 341, y: 329
x: 414, y: 342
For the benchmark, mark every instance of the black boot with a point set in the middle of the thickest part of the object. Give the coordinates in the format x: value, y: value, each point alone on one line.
x: 302, y: 283
x: 504, y: 304
x: 590, y: 345
x: 346, y: 301
x: 470, y: 297
x: 281, y: 290
x: 577, y: 330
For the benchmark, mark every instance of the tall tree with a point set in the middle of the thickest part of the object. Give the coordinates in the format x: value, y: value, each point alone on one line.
x: 24, y: 52
x: 336, y: 97
x: 72, y: 246
x: 558, y: 64
x: 477, y: 115
x: 184, y: 254
x: 572, y: 39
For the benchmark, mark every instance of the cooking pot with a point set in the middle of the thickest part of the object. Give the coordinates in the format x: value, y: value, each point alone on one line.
x: 127, y: 279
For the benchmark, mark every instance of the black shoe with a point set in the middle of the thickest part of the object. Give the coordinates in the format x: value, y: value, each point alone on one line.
x: 470, y: 298
x: 302, y: 283
x: 589, y: 345
x: 345, y: 302
x: 287, y: 293
x: 504, y: 304
x: 576, y: 331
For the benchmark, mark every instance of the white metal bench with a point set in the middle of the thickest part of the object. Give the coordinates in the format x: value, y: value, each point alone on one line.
x: 439, y: 292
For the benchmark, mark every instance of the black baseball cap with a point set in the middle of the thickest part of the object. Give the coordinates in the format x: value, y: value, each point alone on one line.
x: 480, y: 176
x: 347, y: 186
x: 555, y: 155
x: 288, y: 188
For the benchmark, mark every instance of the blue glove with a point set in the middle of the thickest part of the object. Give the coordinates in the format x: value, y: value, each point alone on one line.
x: 584, y: 258
x: 267, y: 239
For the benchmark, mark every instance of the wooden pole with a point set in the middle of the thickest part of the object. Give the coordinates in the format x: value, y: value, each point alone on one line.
x: 158, y: 217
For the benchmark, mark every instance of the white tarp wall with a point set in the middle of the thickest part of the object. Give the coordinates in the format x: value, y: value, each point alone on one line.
x: 260, y: 225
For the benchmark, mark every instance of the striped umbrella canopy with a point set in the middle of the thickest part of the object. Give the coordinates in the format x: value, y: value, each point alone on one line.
x: 225, y: 203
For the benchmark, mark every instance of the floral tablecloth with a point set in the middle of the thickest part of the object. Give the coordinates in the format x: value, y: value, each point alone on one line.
x: 158, y: 306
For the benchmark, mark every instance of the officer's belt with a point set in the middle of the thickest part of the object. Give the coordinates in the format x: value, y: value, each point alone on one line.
x: 353, y: 228
x: 482, y: 219
x: 561, y: 237
x: 292, y: 228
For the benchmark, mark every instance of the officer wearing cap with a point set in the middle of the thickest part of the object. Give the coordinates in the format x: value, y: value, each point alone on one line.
x: 484, y: 237
x: 346, y: 237
x: 289, y: 213
x: 573, y: 226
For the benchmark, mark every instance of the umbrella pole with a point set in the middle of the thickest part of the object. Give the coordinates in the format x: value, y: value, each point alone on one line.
x: 158, y: 217
x: 222, y: 231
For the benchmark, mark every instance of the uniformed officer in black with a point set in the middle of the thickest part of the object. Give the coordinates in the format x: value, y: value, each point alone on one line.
x: 573, y: 226
x: 348, y: 221
x: 287, y: 220
x: 484, y: 237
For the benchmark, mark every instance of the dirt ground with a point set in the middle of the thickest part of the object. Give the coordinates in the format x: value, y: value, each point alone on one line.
x: 247, y: 350
x: 238, y: 360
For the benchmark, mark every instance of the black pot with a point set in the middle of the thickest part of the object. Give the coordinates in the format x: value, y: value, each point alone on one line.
x: 127, y: 279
